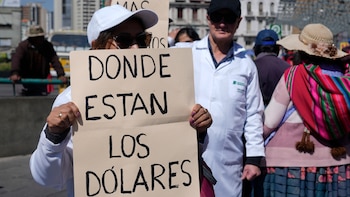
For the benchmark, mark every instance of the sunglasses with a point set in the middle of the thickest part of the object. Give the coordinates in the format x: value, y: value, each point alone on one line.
x: 125, y: 40
x: 227, y: 18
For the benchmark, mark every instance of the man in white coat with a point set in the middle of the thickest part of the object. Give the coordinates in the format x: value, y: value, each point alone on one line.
x: 227, y: 84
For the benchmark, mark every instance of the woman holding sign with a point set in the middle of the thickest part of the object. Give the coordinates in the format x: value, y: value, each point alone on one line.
x: 111, y: 27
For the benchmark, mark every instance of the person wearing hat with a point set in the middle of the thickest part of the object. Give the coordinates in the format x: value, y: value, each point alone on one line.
x: 270, y: 66
x: 309, y: 155
x: 111, y: 27
x: 227, y: 84
x: 32, y: 59
x: 270, y: 69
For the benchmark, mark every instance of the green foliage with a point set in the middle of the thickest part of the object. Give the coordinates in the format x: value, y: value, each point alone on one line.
x: 3, y: 57
x: 5, y: 66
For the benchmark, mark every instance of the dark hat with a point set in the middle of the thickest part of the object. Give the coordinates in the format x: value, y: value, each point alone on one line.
x: 263, y: 35
x: 233, y: 5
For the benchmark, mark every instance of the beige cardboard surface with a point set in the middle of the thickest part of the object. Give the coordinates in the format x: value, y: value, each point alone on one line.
x: 161, y: 8
x: 134, y: 138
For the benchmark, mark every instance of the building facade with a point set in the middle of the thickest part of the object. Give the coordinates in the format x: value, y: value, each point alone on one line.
x: 189, y: 13
x: 256, y: 16
x: 35, y: 14
x: 10, y: 27
x: 75, y: 14
x: 15, y: 20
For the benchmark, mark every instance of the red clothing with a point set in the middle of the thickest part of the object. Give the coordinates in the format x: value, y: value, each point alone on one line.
x: 207, y: 189
x: 281, y: 151
x: 321, y: 100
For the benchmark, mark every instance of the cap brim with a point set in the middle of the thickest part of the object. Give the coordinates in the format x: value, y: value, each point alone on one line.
x: 292, y: 42
x: 148, y: 17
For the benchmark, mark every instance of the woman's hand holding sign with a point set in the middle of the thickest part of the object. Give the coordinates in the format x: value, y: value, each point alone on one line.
x: 62, y: 117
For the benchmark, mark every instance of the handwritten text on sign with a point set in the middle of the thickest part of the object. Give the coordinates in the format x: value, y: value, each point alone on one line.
x: 134, y: 138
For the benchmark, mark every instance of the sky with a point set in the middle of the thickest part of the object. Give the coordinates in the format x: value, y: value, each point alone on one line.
x: 47, y: 4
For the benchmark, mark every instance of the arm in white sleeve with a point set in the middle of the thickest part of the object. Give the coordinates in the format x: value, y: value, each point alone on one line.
x: 254, y: 124
x: 171, y: 41
x: 52, y: 164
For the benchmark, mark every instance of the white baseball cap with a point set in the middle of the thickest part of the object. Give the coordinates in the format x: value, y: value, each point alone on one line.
x: 113, y: 15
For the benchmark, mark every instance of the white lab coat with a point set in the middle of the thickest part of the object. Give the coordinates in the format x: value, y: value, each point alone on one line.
x: 231, y: 94
x: 52, y: 164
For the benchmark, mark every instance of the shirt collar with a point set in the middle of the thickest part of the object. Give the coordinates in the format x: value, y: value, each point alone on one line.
x: 229, y: 56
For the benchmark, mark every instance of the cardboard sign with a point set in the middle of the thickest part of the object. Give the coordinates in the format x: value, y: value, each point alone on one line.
x: 133, y: 138
x: 161, y: 8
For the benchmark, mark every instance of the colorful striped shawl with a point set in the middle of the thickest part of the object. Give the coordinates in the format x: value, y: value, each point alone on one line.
x: 322, y: 101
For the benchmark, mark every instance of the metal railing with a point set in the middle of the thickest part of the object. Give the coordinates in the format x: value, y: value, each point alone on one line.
x: 30, y: 81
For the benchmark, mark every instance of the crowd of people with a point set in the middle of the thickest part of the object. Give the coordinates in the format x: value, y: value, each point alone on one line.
x: 267, y: 126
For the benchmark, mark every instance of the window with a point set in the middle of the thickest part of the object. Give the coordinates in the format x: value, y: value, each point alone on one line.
x: 5, y: 21
x: 179, y: 13
x: 65, y: 42
x: 249, y: 25
x: 272, y: 9
x: 249, y: 8
x: 64, y: 5
x: 260, y: 24
x: 261, y: 9
x: 5, y: 42
x: 248, y: 42
x: 195, y: 14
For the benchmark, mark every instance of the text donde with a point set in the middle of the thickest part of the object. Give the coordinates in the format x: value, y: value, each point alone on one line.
x: 143, y: 66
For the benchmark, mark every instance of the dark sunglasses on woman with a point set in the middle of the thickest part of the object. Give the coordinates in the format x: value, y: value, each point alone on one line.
x: 125, y: 40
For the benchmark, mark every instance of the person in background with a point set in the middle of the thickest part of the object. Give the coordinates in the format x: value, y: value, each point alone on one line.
x: 111, y: 27
x: 32, y: 59
x: 186, y: 34
x: 270, y: 66
x: 310, y: 112
x: 226, y: 82
x: 270, y: 69
x: 172, y: 34
x: 182, y: 37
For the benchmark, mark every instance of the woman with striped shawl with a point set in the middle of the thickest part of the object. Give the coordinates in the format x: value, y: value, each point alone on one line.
x: 309, y: 155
